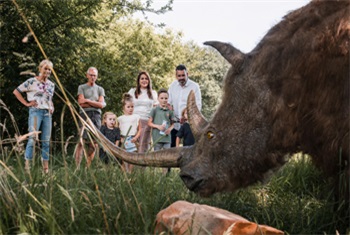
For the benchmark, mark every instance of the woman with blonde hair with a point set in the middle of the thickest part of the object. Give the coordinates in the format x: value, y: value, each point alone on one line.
x: 39, y: 90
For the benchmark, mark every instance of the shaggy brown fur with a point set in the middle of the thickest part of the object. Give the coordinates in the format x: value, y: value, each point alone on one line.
x: 290, y: 94
x: 306, y: 60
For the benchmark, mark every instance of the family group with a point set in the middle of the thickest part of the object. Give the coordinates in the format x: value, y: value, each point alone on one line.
x: 150, y: 119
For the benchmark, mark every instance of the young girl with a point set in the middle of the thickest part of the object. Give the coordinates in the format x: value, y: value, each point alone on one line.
x: 111, y: 130
x: 130, y: 128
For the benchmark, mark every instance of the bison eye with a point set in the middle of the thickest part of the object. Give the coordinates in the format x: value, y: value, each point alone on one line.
x: 210, y: 135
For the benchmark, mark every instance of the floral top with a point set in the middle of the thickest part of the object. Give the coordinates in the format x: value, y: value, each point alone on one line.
x: 41, y: 92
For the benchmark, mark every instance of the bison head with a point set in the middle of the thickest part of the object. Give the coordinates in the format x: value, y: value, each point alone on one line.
x: 291, y: 93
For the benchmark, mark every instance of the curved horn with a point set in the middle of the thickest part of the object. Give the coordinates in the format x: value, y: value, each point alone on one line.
x: 162, y: 158
x: 234, y: 56
x: 196, y: 119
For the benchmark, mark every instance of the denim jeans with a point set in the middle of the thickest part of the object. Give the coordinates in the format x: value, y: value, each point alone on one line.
x: 43, y: 123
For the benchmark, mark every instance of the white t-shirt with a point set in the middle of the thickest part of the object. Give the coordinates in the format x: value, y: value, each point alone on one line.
x: 143, y: 104
x: 127, y: 121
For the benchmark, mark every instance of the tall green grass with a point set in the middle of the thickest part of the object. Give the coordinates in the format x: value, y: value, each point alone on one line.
x: 105, y: 200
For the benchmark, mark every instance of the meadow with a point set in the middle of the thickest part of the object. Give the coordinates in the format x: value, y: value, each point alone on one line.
x: 105, y: 200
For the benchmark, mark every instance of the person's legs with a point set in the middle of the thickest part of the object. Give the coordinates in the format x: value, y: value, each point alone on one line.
x: 158, y: 146
x: 27, y: 165
x: 32, y: 126
x: 34, y: 121
x: 95, y: 117
x: 46, y: 166
x: 91, y: 153
x: 79, y: 152
x: 167, y: 146
x: 46, y: 127
x: 173, y: 137
x: 128, y: 167
x: 96, y: 120
x: 80, y: 146
x: 145, y: 137
x: 103, y: 156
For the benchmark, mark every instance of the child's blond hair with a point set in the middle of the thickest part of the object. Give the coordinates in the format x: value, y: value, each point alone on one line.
x: 105, y: 116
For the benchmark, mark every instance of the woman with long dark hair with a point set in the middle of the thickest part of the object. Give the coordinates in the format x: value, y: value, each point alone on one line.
x: 144, y: 100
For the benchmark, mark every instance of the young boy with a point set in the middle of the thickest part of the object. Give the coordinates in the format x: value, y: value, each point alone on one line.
x: 185, y: 132
x: 161, y: 121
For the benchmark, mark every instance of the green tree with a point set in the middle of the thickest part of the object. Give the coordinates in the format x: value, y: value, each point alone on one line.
x: 128, y: 47
x: 79, y: 34
x: 66, y: 30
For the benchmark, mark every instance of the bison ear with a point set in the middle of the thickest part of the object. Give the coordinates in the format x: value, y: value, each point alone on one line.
x: 234, y: 56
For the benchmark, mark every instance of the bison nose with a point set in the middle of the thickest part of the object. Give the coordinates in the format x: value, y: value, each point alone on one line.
x: 190, y: 182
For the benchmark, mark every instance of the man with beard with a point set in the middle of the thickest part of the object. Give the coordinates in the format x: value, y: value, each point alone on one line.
x: 178, y: 93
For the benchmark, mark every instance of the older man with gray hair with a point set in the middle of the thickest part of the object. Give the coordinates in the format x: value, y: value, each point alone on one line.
x: 91, y: 100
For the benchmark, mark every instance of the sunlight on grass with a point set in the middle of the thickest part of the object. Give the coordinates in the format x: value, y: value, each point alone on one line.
x: 105, y: 200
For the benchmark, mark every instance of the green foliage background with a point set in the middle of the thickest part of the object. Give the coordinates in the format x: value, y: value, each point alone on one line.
x: 82, y: 33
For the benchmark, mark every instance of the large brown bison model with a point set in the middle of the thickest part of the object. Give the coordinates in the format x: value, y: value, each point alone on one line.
x: 290, y: 94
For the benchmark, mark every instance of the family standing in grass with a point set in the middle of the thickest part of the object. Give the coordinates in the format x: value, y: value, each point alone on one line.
x: 144, y: 112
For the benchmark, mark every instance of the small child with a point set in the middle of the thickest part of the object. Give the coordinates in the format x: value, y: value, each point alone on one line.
x: 161, y: 121
x: 111, y: 130
x: 185, y: 131
x: 130, y: 128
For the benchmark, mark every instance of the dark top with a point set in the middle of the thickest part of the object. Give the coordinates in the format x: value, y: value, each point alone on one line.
x: 112, y: 134
x: 186, y: 133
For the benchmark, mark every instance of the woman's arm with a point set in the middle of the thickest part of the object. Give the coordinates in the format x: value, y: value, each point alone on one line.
x: 19, y: 96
